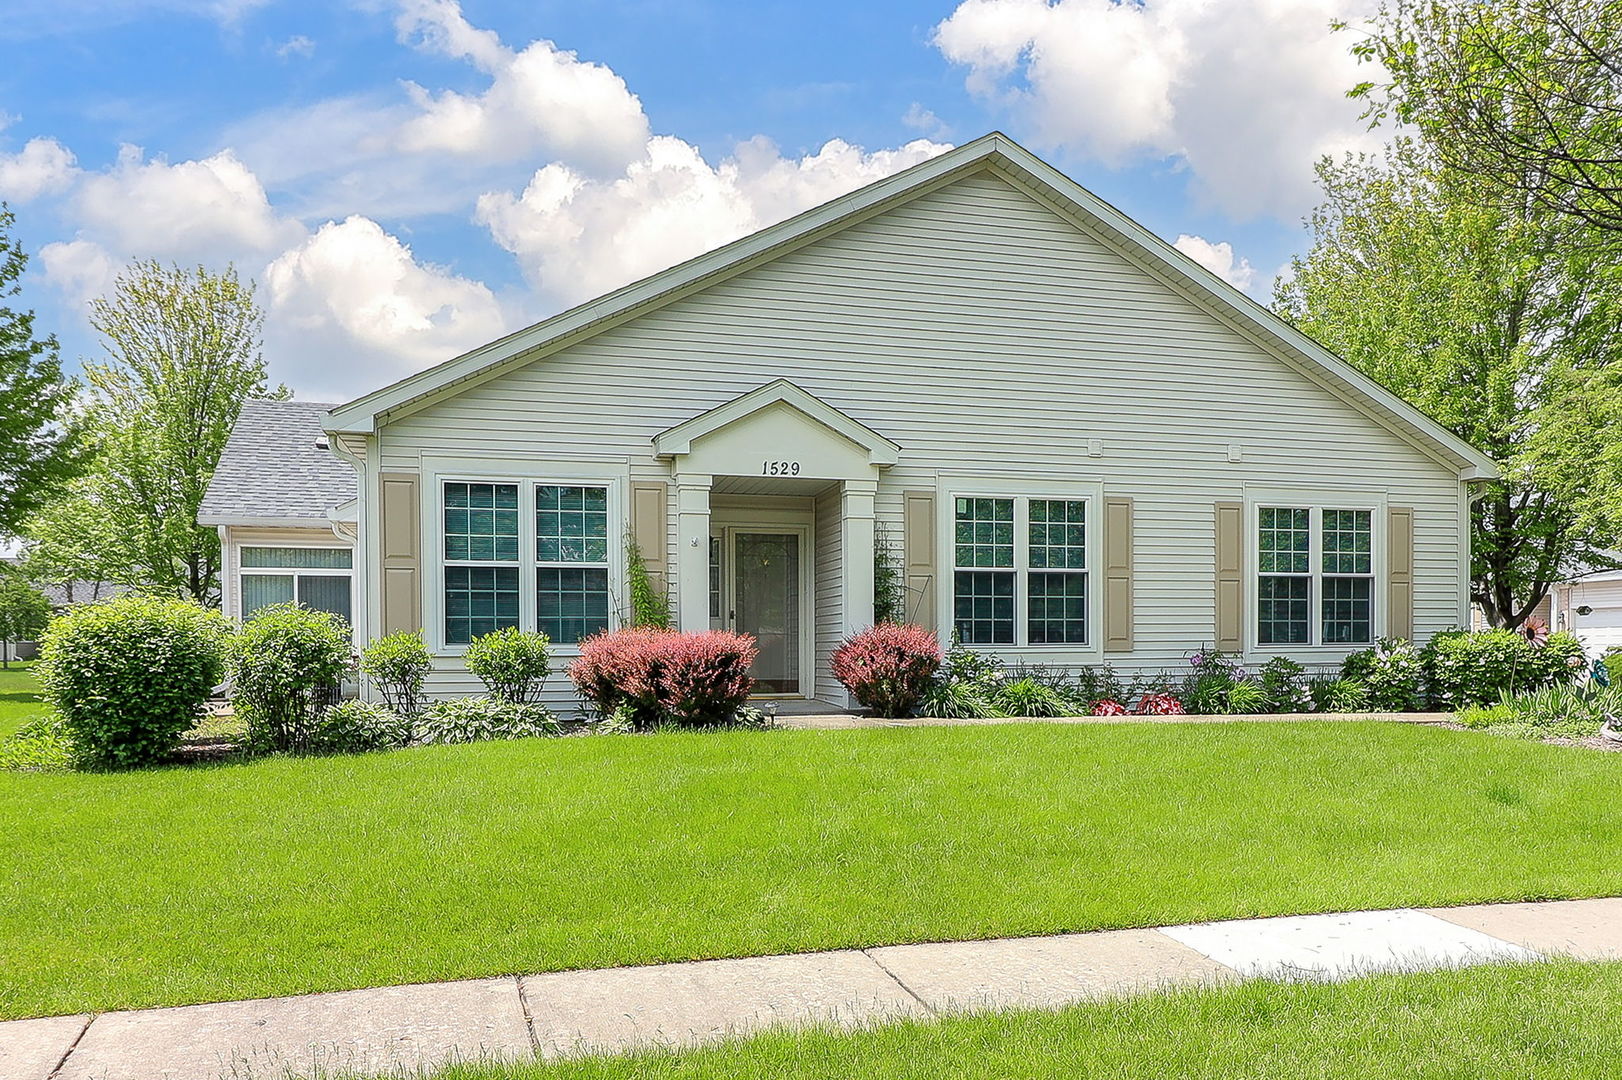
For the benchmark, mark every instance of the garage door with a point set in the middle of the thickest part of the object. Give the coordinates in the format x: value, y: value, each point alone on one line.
x: 1600, y: 629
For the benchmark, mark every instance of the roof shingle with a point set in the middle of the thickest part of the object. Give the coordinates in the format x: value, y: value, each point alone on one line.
x: 276, y: 465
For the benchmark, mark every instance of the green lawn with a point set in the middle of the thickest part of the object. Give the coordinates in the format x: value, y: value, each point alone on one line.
x: 19, y: 697
x: 1556, y: 1021
x: 282, y: 876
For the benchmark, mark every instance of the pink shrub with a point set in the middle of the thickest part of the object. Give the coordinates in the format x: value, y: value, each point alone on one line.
x: 1108, y: 707
x: 888, y: 667
x: 664, y: 675
x: 1159, y: 705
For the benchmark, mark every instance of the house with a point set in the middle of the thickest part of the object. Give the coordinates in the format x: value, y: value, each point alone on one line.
x: 284, y: 506
x: 1590, y: 606
x: 1079, y: 446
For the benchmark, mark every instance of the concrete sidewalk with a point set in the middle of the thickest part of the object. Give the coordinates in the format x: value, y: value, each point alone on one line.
x: 399, y: 1028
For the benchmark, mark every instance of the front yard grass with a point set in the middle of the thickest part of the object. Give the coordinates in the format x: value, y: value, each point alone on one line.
x: 282, y: 876
x: 19, y: 697
x: 1526, y: 1022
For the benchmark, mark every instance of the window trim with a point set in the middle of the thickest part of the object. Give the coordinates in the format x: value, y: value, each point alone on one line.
x: 1022, y: 490
x: 1315, y: 501
x: 441, y: 471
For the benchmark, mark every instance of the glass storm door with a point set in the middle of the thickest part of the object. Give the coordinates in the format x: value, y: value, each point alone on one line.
x: 766, y: 605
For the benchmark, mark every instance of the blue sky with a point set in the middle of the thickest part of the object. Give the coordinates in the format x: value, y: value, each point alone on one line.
x: 407, y: 179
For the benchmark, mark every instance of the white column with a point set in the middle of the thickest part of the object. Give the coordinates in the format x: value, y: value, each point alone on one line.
x: 693, y: 551
x: 856, y: 533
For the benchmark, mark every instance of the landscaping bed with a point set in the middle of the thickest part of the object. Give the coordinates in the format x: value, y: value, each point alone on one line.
x: 284, y: 875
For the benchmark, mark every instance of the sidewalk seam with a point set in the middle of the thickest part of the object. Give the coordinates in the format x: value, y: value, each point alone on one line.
x: 529, y: 1019
x: 77, y: 1039
x: 927, y: 1007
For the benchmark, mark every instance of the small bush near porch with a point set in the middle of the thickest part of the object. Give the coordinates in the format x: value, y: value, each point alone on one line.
x: 286, y: 875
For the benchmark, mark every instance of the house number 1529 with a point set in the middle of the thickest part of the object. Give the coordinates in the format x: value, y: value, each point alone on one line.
x: 780, y: 468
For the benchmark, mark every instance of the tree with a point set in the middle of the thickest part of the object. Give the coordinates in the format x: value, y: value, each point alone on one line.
x: 1523, y: 95
x: 1494, y: 321
x: 24, y: 613
x: 71, y: 544
x: 40, y: 443
x: 183, y: 354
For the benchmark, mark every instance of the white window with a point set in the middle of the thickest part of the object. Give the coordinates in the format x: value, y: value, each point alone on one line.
x: 318, y: 578
x: 485, y: 526
x: 1020, y: 573
x: 1314, y: 576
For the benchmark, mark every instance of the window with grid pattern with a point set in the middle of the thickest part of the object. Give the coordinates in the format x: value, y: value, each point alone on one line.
x: 1284, y: 586
x: 480, y: 533
x: 983, y: 601
x: 1057, y: 583
x: 1020, y: 571
x: 571, y: 556
x: 1348, y: 577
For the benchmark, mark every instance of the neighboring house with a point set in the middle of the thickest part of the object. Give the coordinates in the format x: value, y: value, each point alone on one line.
x: 62, y: 596
x: 284, y: 507
x: 1590, y: 606
x: 1089, y: 450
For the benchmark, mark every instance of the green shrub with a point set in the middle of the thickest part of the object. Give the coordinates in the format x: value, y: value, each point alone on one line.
x: 1246, y: 697
x: 355, y: 726
x: 956, y: 701
x: 1613, y: 666
x: 1284, y: 686
x: 286, y: 666
x: 1340, y: 696
x: 1090, y: 684
x: 130, y: 675
x: 1028, y: 696
x: 40, y: 744
x: 1205, y: 690
x: 513, y: 664
x: 398, y: 665
x: 480, y: 719
x: 1560, y: 711
x: 650, y: 604
x: 1392, y: 673
x: 1477, y: 667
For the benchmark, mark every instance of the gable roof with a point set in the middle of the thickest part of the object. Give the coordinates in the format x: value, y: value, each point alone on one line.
x: 679, y: 439
x: 995, y: 152
x: 276, y: 469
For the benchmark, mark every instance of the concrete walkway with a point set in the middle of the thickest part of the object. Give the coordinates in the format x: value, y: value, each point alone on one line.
x: 397, y: 1028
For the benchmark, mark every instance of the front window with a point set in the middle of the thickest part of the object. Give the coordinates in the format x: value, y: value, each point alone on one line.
x: 571, y: 568
x: 318, y: 578
x: 1020, y: 571
x: 486, y: 527
x: 1315, y: 576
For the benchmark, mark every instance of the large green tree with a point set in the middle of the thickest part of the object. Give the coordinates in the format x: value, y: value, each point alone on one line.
x: 1523, y: 95
x: 72, y: 544
x: 1493, y: 319
x: 183, y: 354
x: 40, y: 443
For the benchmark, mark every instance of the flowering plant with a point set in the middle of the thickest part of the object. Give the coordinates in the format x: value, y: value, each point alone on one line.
x: 1108, y: 707
x: 1159, y: 705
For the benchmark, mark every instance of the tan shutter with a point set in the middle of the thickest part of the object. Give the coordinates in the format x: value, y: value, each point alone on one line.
x: 650, y: 501
x: 1230, y: 577
x: 918, y: 558
x: 401, y: 548
x: 1117, y: 575
x: 1399, y: 616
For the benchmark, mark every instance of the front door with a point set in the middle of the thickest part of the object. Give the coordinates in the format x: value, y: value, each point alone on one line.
x: 767, y: 575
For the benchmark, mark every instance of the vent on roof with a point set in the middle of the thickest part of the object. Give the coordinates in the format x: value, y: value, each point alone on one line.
x: 321, y: 444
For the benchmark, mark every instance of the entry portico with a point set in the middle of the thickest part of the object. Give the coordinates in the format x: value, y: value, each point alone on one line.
x: 771, y: 455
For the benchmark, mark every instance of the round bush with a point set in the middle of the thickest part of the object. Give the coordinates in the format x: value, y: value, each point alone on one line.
x: 130, y: 675
x: 1392, y: 674
x: 655, y: 677
x: 888, y: 667
x: 355, y: 726
x: 286, y: 666
x: 398, y: 665
x: 512, y: 663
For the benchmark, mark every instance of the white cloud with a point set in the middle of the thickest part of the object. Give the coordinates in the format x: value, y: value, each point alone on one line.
x: 577, y: 237
x: 357, y: 309
x: 925, y: 122
x: 81, y: 269
x: 42, y: 167
x: 1248, y: 93
x: 540, y: 99
x: 297, y: 45
x: 213, y: 209
x: 1218, y: 258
